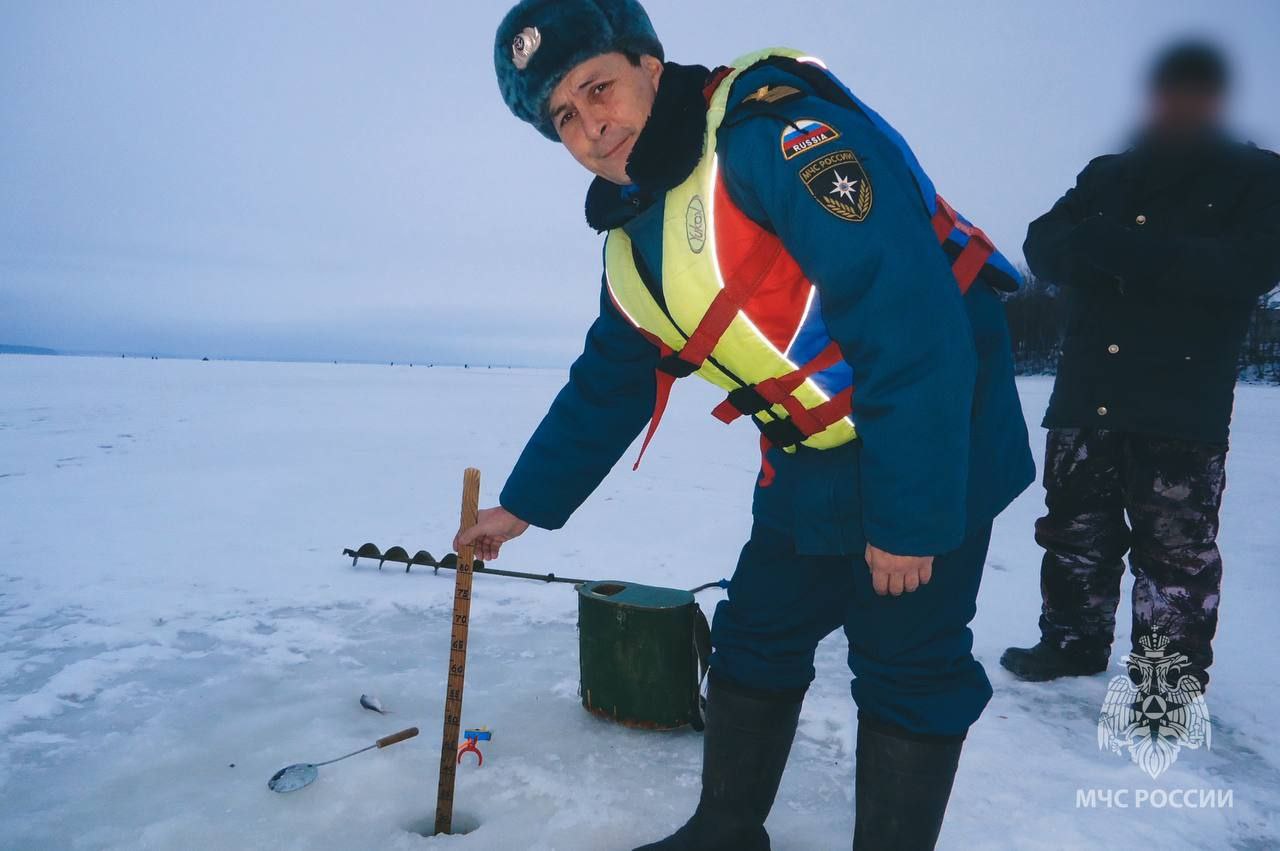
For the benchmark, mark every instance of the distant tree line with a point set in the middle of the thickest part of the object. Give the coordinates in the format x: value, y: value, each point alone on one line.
x: 1036, y: 321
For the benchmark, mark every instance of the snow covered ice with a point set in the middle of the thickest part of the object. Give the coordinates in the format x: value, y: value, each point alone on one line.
x: 177, y: 623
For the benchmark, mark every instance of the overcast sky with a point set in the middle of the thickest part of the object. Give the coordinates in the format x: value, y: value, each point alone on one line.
x: 341, y: 180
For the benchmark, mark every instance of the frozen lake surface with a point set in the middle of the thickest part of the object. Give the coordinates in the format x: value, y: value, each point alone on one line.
x: 177, y: 622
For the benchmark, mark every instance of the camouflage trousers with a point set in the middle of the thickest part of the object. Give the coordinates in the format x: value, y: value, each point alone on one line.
x: 1171, y: 491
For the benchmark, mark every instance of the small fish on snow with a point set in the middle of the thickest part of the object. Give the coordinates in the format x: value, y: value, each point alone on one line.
x: 369, y: 701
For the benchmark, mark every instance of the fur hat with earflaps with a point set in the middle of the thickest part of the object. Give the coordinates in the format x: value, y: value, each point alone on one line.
x: 539, y: 41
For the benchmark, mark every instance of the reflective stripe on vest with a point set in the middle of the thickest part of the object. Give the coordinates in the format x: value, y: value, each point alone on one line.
x: 738, y: 309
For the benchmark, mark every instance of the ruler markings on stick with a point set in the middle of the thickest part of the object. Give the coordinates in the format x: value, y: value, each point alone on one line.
x: 457, y: 658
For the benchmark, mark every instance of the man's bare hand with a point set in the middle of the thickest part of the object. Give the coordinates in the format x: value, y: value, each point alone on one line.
x: 891, y: 574
x: 494, y: 527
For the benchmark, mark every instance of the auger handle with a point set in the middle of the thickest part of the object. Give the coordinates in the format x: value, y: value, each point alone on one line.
x: 396, y: 738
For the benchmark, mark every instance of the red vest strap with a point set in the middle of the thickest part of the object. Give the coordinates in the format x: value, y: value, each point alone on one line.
x: 766, y: 469
x: 740, y: 285
x: 976, y: 252
x: 809, y: 422
x: 774, y: 391
x: 662, y: 393
x: 945, y: 220
x: 972, y: 258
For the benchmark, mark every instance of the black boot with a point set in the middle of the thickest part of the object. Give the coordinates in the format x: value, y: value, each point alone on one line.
x: 903, y: 784
x: 1047, y: 661
x: 744, y: 751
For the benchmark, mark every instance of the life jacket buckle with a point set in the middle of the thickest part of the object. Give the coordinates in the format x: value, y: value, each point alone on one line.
x: 676, y: 366
x: 749, y: 400
x: 783, y: 433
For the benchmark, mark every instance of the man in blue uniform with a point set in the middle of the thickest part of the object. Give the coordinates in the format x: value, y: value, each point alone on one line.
x: 883, y: 534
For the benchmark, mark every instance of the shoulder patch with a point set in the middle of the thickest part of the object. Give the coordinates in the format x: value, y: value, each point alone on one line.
x: 772, y: 94
x: 840, y: 185
x: 805, y: 134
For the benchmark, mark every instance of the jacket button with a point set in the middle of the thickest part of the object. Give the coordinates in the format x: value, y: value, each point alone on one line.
x: 1142, y: 220
x: 1102, y: 412
x: 1113, y: 349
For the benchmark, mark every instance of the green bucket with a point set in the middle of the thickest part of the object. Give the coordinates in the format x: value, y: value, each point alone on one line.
x: 642, y: 652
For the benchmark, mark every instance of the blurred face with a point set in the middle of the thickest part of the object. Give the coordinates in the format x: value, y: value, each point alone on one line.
x: 1177, y: 113
x: 599, y: 109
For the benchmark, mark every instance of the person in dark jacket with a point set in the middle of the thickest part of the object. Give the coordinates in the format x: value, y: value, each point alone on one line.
x: 769, y: 172
x: 1162, y: 253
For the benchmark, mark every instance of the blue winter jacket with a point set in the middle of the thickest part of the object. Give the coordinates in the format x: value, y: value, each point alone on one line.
x: 942, y: 445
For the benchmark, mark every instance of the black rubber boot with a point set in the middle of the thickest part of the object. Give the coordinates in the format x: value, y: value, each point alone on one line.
x: 903, y: 785
x: 1047, y: 661
x: 745, y: 748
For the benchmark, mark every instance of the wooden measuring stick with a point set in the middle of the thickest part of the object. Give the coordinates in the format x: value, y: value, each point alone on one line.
x: 457, y: 657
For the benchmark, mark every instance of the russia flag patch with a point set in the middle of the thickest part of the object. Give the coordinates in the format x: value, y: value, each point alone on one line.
x: 806, y: 134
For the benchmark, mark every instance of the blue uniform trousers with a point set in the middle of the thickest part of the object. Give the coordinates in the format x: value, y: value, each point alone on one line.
x: 910, y: 655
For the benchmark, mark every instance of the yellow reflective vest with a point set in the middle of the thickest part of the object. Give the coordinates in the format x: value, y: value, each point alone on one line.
x: 737, y: 309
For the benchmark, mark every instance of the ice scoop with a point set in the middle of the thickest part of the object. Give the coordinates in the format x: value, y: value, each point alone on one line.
x: 291, y: 778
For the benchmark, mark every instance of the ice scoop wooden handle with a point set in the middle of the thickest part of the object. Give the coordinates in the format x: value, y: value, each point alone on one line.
x: 394, y: 738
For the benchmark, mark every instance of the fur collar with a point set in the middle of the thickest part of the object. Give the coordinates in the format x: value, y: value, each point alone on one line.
x: 666, y: 152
